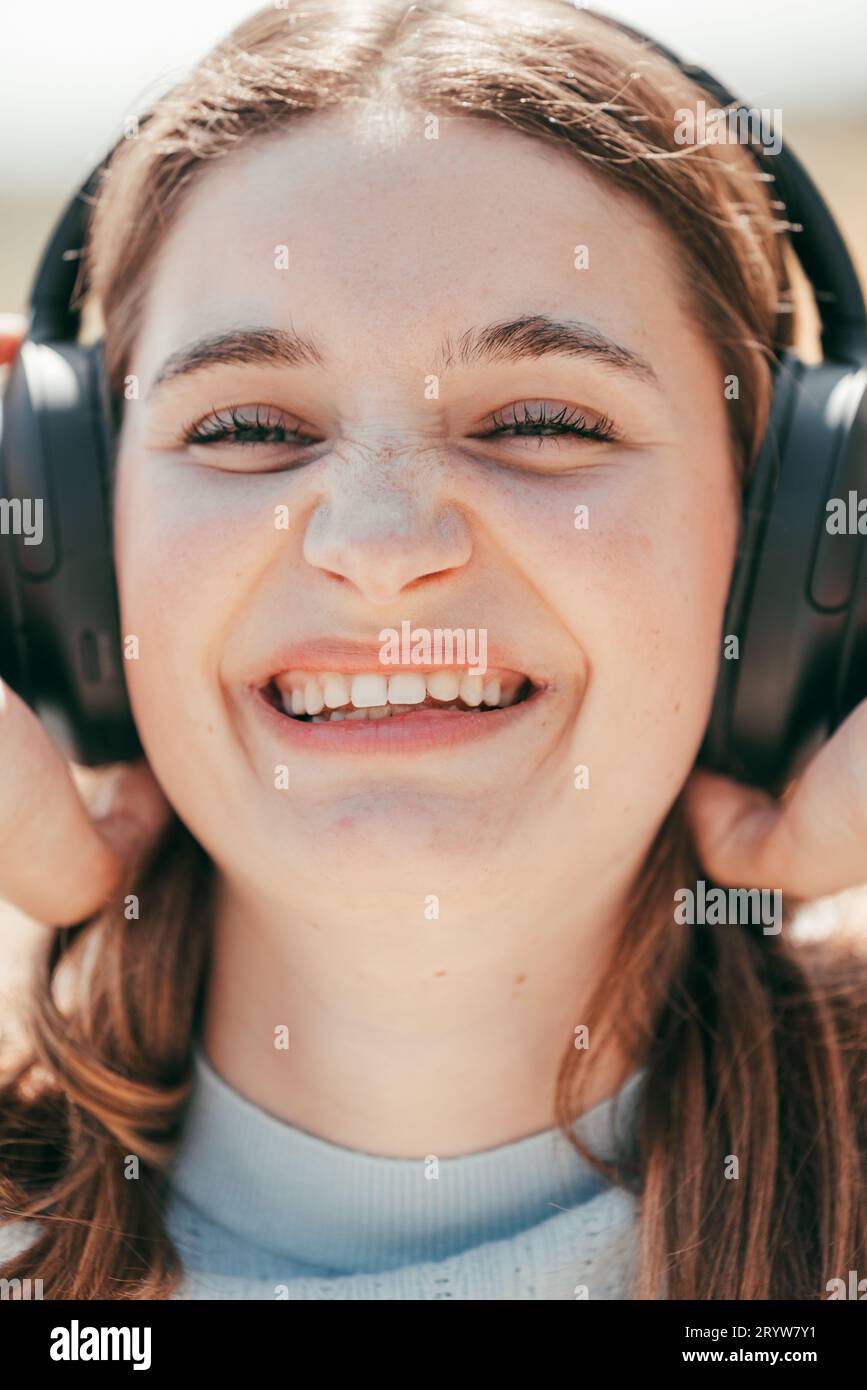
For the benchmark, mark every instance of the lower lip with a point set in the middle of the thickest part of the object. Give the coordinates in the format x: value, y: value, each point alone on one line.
x: 423, y: 730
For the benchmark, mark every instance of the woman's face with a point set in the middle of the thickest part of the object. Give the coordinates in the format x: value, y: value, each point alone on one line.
x: 367, y: 283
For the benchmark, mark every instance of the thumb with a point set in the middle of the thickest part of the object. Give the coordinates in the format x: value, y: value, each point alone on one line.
x: 130, y: 810
x: 736, y: 830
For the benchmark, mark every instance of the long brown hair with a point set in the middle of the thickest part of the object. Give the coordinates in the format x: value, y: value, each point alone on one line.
x: 752, y: 1044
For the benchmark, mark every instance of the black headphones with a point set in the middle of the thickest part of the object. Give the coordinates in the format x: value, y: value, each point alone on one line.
x: 798, y: 598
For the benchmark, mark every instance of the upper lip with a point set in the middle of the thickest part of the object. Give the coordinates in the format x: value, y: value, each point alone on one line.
x: 347, y: 656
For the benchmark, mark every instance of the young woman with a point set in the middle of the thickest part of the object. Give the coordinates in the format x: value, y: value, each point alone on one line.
x: 422, y: 315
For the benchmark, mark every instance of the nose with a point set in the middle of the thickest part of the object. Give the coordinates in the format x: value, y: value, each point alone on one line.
x: 385, y: 525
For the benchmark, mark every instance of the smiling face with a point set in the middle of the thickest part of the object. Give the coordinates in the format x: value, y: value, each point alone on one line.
x: 445, y: 416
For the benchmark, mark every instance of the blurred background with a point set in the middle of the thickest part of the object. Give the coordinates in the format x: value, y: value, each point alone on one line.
x: 70, y: 75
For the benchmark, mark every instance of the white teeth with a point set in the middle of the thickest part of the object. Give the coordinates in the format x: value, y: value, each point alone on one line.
x: 368, y: 691
x: 292, y: 686
x: 313, y: 701
x: 444, y: 685
x: 331, y: 695
x: 471, y: 689
x: 335, y: 690
x: 286, y: 679
x: 406, y: 689
x: 375, y: 712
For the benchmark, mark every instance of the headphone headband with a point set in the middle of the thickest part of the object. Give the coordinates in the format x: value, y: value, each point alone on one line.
x: 53, y: 318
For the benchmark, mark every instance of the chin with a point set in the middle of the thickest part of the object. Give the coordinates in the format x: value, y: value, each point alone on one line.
x: 389, y: 840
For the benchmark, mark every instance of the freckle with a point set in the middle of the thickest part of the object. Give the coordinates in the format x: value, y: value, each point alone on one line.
x: 677, y: 707
x: 519, y: 979
x: 437, y: 973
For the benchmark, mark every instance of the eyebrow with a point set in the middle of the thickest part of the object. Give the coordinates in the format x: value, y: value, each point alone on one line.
x: 531, y: 336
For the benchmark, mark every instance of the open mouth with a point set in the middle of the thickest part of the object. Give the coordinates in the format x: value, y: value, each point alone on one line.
x: 327, y: 697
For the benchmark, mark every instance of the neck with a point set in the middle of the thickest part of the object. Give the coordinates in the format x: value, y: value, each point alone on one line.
x: 381, y: 1028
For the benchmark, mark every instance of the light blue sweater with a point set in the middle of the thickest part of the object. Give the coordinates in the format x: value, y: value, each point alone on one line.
x: 260, y: 1209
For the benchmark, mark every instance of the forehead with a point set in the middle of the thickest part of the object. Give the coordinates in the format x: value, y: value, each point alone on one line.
x: 390, y: 229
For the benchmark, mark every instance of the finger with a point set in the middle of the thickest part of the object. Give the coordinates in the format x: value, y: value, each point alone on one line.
x: 54, y: 865
x: 812, y: 843
x: 735, y: 829
x: 136, y: 811
x: 823, y: 833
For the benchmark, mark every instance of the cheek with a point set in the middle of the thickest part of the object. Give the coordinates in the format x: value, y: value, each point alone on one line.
x: 640, y: 590
x: 654, y: 580
x: 187, y: 550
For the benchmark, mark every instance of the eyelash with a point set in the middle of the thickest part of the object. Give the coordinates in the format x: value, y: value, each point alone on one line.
x: 215, y: 430
x: 562, y: 422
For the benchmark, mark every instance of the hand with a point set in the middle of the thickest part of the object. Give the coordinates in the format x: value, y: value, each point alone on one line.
x: 56, y: 863
x: 810, y: 843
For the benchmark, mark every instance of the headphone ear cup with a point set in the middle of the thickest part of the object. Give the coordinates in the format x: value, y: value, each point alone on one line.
x: 58, y: 603
x: 792, y: 605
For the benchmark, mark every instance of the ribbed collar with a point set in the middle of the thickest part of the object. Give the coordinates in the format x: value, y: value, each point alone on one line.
x: 304, y: 1198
